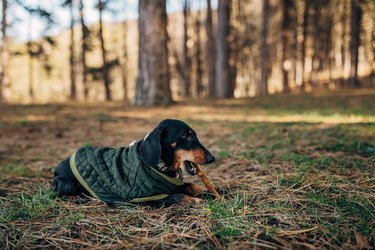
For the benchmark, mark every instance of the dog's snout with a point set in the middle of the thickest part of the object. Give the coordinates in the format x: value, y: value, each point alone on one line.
x: 210, y: 159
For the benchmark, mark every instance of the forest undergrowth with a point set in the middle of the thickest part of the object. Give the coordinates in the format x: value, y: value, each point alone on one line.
x: 296, y: 171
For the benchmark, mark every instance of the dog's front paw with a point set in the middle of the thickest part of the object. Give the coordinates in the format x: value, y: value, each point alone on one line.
x: 191, y: 200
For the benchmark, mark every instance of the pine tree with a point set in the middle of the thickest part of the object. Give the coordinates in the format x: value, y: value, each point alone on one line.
x: 153, y: 71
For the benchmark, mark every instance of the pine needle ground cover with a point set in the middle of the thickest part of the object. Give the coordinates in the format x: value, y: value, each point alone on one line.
x: 296, y: 171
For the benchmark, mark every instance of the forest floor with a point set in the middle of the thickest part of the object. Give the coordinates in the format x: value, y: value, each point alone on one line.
x: 296, y: 171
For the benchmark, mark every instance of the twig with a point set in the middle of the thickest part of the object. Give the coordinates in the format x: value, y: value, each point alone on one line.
x: 206, y: 182
x: 284, y: 233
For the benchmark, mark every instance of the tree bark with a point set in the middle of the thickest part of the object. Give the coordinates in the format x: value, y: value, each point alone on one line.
x: 124, y: 60
x: 316, y: 38
x: 263, y: 84
x: 343, y: 37
x: 105, y: 70
x: 31, y: 78
x: 199, y: 70
x: 153, y: 72
x: 285, y: 41
x: 328, y: 42
x: 355, y: 30
x: 295, y: 29
x: 187, y: 59
x: 4, y: 78
x: 305, y: 24
x: 210, y: 50
x: 178, y: 65
x: 31, y: 70
x: 84, y: 46
x: 235, y: 43
x: 223, y: 87
x: 73, y: 87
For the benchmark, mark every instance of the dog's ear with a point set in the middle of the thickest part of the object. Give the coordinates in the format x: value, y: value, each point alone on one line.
x: 150, y: 148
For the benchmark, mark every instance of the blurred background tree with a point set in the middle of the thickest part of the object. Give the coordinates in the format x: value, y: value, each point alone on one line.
x: 72, y: 61
x: 153, y: 71
x: 244, y: 48
x: 4, y: 78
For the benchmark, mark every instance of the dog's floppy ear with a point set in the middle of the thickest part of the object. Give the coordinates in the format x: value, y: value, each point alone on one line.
x: 150, y: 148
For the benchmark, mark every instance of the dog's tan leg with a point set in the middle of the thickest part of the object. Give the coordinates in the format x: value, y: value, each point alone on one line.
x: 192, y: 189
x: 190, y: 200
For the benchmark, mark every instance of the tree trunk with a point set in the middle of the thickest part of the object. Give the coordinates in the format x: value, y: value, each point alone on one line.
x: 223, y: 87
x: 105, y: 70
x: 343, y: 37
x: 85, y: 34
x: 263, y: 84
x: 355, y: 30
x: 187, y: 59
x: 305, y: 24
x: 294, y: 48
x: 124, y: 60
x: 31, y: 78
x: 235, y: 44
x: 328, y: 43
x: 373, y: 56
x: 31, y: 70
x: 179, y: 66
x: 199, y: 71
x: 4, y: 78
x: 210, y: 50
x: 316, y: 38
x: 285, y: 41
x: 73, y: 88
x: 153, y: 72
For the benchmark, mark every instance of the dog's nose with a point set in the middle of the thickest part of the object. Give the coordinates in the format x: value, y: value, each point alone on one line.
x: 210, y: 159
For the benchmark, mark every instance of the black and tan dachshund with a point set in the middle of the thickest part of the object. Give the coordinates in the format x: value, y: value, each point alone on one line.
x: 172, y: 143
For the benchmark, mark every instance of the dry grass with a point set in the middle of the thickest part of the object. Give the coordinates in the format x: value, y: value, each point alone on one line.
x: 295, y: 171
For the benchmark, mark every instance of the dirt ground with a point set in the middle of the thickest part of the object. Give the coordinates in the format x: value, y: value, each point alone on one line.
x: 296, y: 171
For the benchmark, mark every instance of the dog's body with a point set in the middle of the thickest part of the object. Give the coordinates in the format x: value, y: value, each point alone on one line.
x: 132, y: 174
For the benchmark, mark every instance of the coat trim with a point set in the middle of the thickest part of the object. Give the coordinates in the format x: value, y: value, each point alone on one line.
x: 150, y: 198
x: 175, y: 181
x: 73, y: 166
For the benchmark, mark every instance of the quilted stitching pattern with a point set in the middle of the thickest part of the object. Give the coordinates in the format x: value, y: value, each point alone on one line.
x: 118, y: 174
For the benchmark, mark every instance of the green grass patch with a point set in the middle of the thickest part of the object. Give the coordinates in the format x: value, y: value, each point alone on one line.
x: 87, y: 144
x: 354, y: 213
x: 24, y: 206
x: 102, y: 117
x: 261, y: 154
x: 68, y: 218
x: 362, y: 148
x: 17, y: 169
x: 294, y: 181
x: 229, y: 216
x: 23, y: 122
x: 222, y: 155
x: 249, y: 130
x: 301, y: 162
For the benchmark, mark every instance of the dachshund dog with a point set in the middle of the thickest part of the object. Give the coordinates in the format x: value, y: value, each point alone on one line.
x: 148, y: 171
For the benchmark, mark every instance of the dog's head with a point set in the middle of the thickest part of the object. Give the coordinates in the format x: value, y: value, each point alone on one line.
x: 176, y: 144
